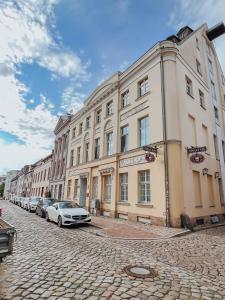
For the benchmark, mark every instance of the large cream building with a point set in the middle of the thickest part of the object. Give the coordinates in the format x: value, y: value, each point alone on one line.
x: 171, y: 99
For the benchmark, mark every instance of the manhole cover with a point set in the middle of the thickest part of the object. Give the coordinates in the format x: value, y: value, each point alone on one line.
x: 140, y: 271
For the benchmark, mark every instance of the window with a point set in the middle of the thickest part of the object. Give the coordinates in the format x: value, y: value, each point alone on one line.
x: 124, y: 138
x: 210, y: 68
x: 68, y: 188
x: 78, y: 155
x: 144, y: 131
x: 109, y: 144
x: 223, y: 148
x: 189, y: 87
x: 108, y: 188
x: 199, y: 69
x: 44, y: 175
x: 95, y: 188
x: 125, y: 99
x: 202, y: 99
x: 109, y: 107
x: 143, y: 87
x: 80, y: 128
x: 197, y: 43
x: 98, y: 116
x: 213, y: 90
x: 124, y: 187
x: 71, y: 158
x: 144, y: 186
x: 216, y: 113
x: 216, y: 148
x: 75, y: 188
x: 74, y: 133
x: 86, y: 152
x: 97, y: 148
x: 88, y: 122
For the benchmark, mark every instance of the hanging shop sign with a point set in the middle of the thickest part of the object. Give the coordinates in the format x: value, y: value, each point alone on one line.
x: 196, y: 149
x: 151, y: 149
x: 149, y: 157
x: 197, y: 158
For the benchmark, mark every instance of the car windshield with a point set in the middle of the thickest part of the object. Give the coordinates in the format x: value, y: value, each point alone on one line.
x: 35, y: 200
x: 68, y: 205
x: 48, y: 201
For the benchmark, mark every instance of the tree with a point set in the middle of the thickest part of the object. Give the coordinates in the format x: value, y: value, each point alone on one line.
x: 2, y: 187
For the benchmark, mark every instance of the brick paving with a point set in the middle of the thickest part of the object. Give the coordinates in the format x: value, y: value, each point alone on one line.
x: 69, y: 263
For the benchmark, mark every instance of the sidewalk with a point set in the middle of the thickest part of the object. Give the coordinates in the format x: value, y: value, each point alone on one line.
x: 121, y: 229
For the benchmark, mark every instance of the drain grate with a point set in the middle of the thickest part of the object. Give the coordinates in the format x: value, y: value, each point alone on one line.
x: 140, y: 271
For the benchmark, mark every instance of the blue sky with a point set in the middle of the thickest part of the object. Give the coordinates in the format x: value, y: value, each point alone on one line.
x: 55, y: 52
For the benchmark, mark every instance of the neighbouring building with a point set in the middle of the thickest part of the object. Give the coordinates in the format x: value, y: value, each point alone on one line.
x: 172, y: 100
x: 9, y: 176
x: 59, y: 157
x: 41, y: 176
x: 24, y: 181
x: 14, y: 185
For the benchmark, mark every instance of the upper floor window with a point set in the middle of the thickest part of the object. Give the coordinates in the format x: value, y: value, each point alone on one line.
x: 143, y: 86
x: 109, y: 108
x: 197, y: 43
x: 97, y: 148
x: 109, y: 143
x: 124, y: 187
x: 98, y: 116
x: 144, y: 131
x: 74, y: 133
x: 125, y: 99
x: 71, y: 158
x: 124, y: 138
x: 86, y: 152
x: 189, y: 88
x: 199, y: 68
x: 78, y: 155
x: 88, y: 122
x: 202, y: 99
x: 107, y: 188
x: 213, y: 90
x: 216, y: 113
x: 80, y: 128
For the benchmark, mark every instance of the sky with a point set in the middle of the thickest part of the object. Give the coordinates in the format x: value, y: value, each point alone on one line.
x: 53, y: 53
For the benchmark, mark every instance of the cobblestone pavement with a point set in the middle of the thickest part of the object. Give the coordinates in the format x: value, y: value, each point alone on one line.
x: 54, y: 263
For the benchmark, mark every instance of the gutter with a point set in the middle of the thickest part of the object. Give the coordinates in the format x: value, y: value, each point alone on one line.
x: 165, y: 152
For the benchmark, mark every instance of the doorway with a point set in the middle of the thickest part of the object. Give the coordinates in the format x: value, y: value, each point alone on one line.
x: 83, y: 191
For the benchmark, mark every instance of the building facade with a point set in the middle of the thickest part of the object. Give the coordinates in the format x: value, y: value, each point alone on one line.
x: 59, y: 157
x: 172, y: 101
x: 9, y: 176
x: 41, y: 177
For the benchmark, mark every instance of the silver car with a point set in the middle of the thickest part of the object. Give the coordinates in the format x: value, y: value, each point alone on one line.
x: 32, y: 204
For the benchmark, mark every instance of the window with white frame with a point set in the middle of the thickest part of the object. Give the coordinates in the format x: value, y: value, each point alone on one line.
x: 124, y: 138
x: 216, y: 113
x: 78, y: 155
x: 107, y: 188
x: 88, y: 122
x: 125, y: 99
x: 144, y: 186
x: 211, y: 73
x: 109, y: 108
x: 80, y: 128
x: 87, y: 152
x: 143, y: 86
x: 109, y: 143
x: 95, y: 187
x: 98, y: 116
x: 74, y: 133
x: 97, y: 148
x: 202, y: 99
x: 144, y: 131
x: 71, y: 158
x: 123, y: 187
x: 68, y: 188
x: 189, y: 89
x: 213, y: 90
x: 75, y: 188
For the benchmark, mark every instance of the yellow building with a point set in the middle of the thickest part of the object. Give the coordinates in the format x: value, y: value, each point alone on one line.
x: 172, y: 100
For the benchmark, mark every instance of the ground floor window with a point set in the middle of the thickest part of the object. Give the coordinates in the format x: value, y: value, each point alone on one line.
x: 144, y: 186
x: 124, y: 187
x: 68, y: 188
x: 107, y: 188
x: 95, y: 188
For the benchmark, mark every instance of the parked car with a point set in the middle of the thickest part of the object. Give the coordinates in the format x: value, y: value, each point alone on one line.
x: 19, y: 201
x: 67, y: 213
x: 32, y: 204
x: 22, y: 202
x: 42, y: 205
x: 26, y: 202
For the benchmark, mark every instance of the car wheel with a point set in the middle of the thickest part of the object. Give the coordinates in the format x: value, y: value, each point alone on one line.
x: 60, y: 221
x: 47, y: 217
x: 29, y: 210
x: 42, y: 214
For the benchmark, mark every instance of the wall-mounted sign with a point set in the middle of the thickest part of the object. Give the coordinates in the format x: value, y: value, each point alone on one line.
x: 197, y: 158
x: 150, y: 149
x: 196, y: 149
x: 149, y: 157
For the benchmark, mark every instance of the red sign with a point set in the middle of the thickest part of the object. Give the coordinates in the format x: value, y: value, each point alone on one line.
x: 197, y: 158
x: 150, y: 157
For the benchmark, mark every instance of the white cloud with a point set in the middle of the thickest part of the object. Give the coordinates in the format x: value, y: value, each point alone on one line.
x: 194, y: 13
x: 72, y: 100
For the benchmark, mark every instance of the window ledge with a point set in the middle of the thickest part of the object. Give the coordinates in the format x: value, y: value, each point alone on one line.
x: 107, y: 202
x: 124, y: 203
x: 144, y: 205
x: 128, y: 105
x: 141, y: 97
x: 198, y: 206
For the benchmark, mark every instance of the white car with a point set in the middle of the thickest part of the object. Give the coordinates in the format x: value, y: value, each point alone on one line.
x: 32, y: 204
x: 67, y: 213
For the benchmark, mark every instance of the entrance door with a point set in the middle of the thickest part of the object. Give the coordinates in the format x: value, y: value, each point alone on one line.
x: 83, y: 191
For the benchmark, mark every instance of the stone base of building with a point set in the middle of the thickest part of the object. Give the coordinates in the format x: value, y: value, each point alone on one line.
x: 208, y: 220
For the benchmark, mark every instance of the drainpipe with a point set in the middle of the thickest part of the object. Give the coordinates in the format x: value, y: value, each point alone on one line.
x: 166, y: 169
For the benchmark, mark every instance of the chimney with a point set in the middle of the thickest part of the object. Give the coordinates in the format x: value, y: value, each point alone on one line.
x: 215, y: 31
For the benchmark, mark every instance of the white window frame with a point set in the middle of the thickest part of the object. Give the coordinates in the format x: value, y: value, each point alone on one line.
x: 124, y: 187
x: 146, y: 184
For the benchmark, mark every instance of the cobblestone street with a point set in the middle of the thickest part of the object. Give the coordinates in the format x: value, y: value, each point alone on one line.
x: 69, y: 263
